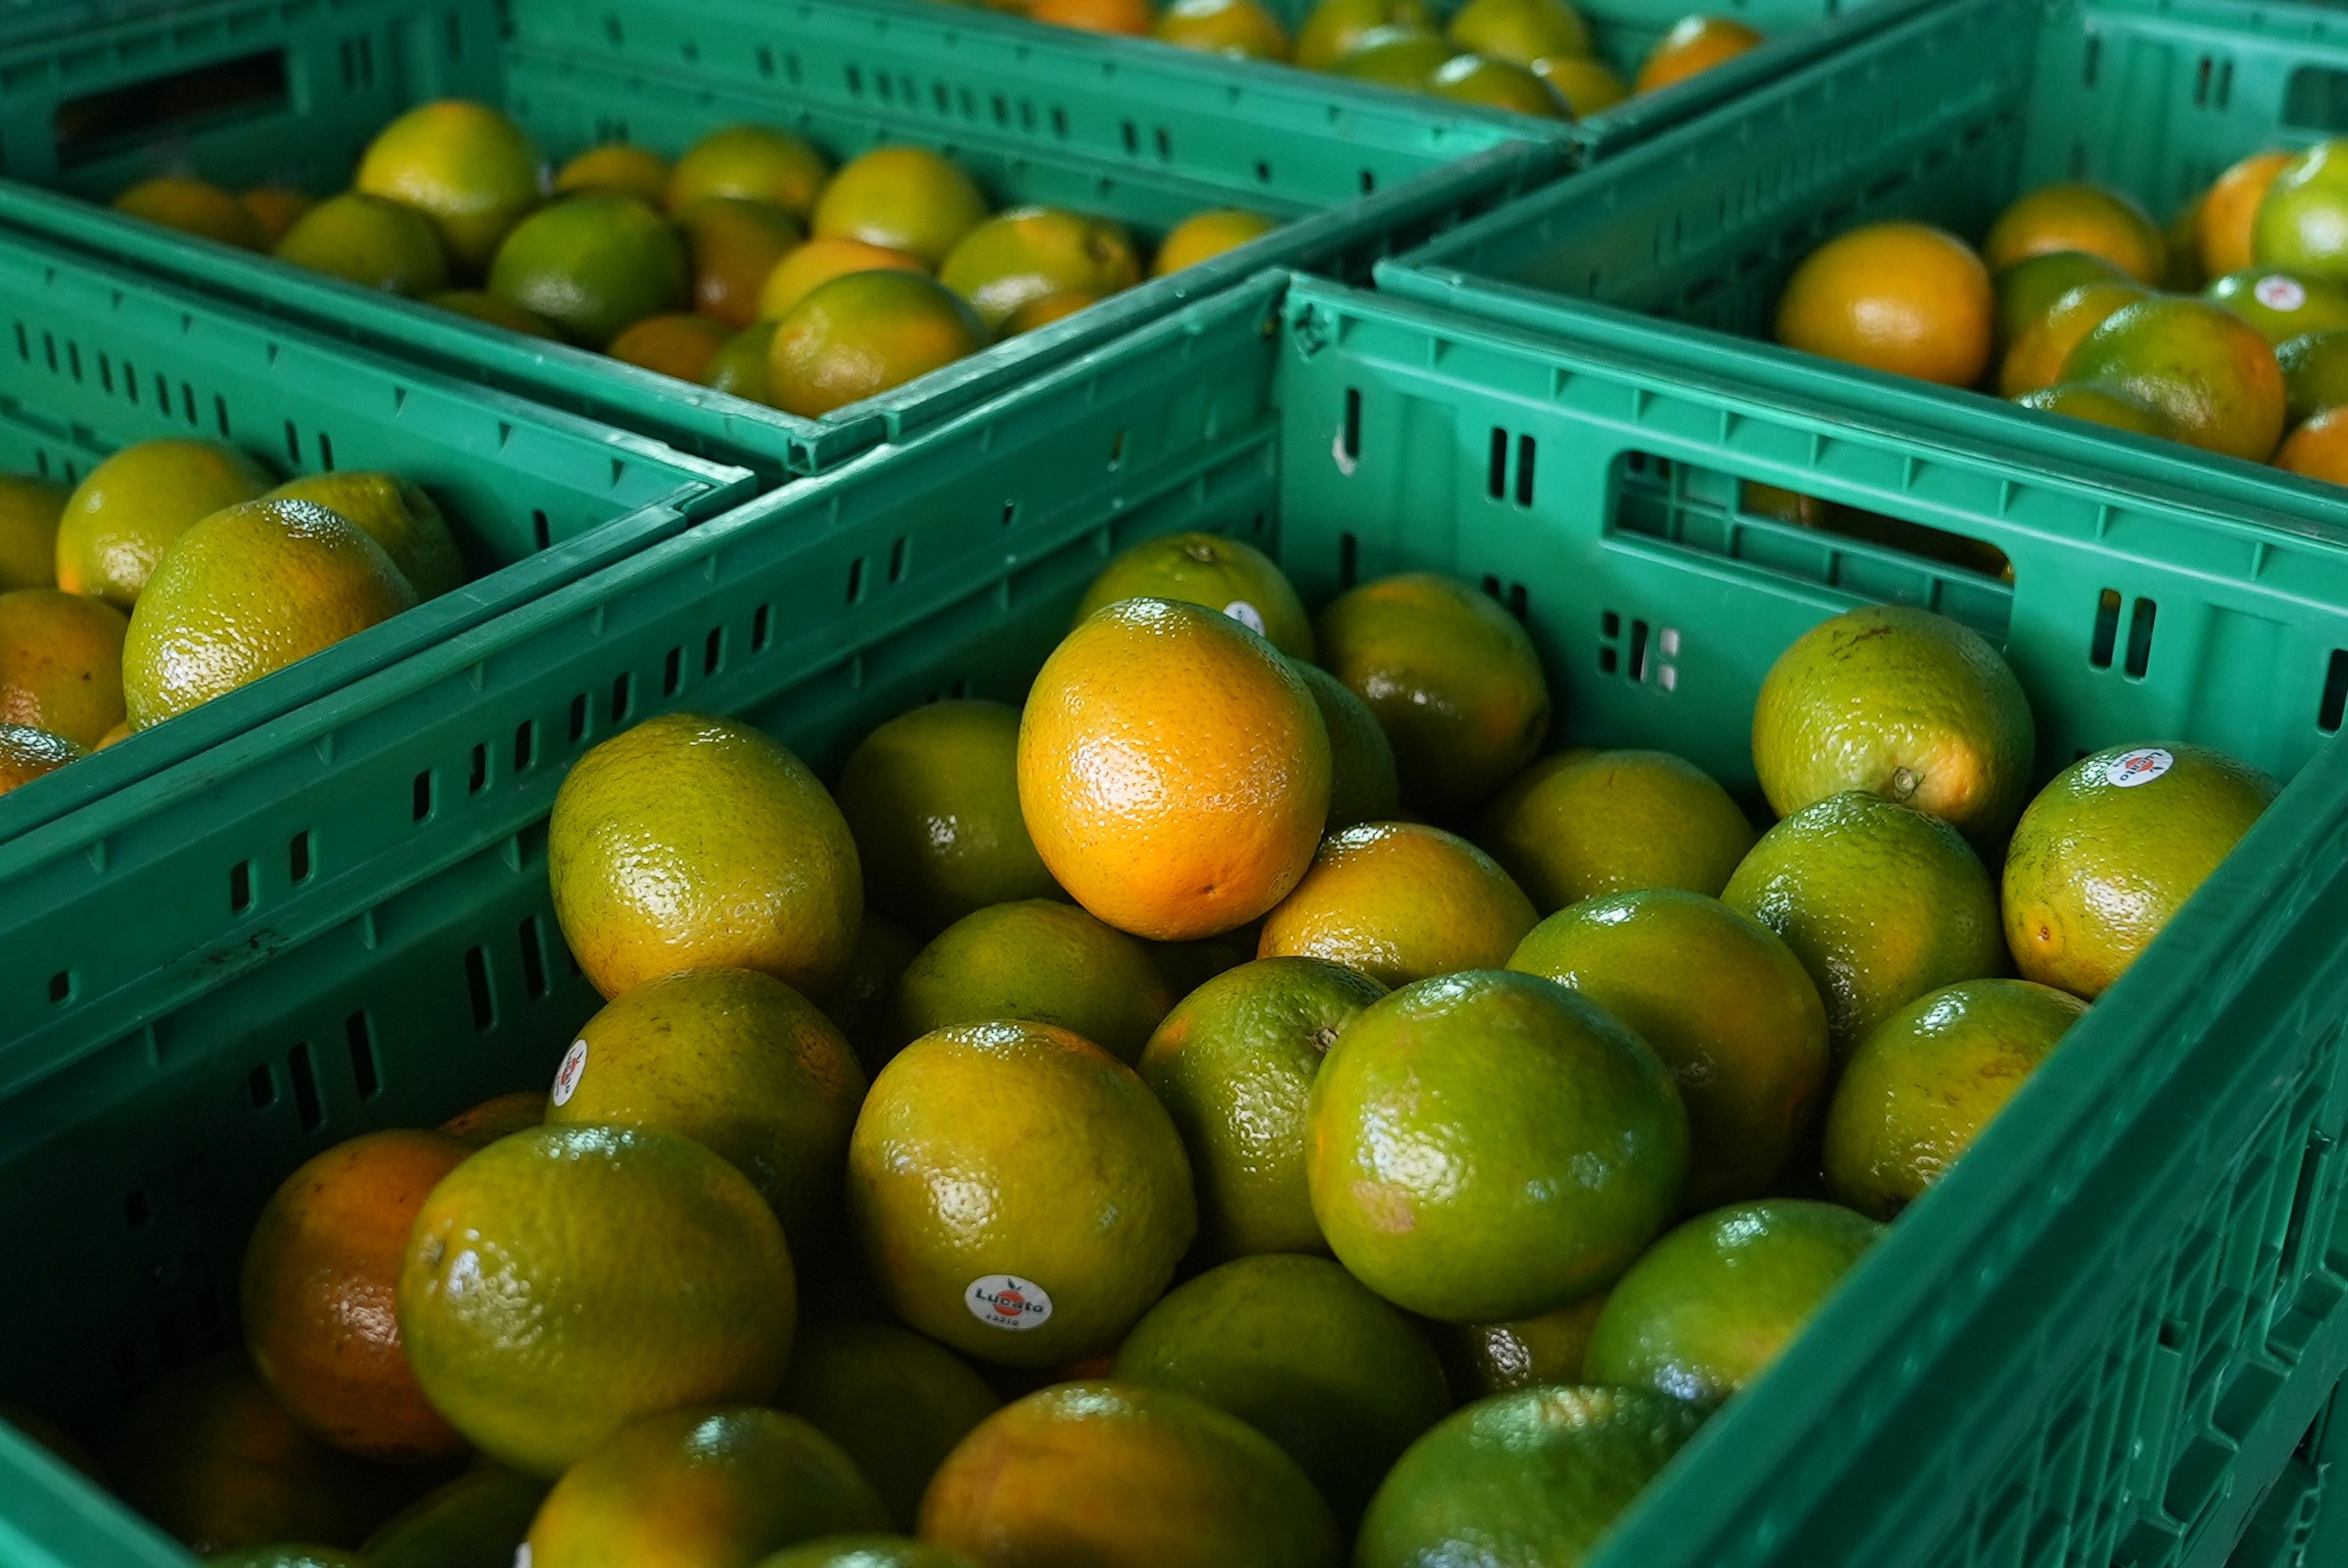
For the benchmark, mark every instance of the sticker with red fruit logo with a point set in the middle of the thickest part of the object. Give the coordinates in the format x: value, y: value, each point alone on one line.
x: 567, y: 1076
x: 1007, y: 1301
x: 2140, y: 766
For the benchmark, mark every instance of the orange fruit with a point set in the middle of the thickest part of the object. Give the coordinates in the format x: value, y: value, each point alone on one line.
x: 593, y: 266
x: 2302, y: 222
x: 1453, y: 678
x: 739, y: 367
x: 754, y: 161
x: 318, y: 1291
x: 1131, y: 18
x: 1336, y: 27
x: 1203, y: 236
x: 1906, y: 297
x: 476, y: 1521
x: 897, y: 1403
x: 246, y: 592
x: 2073, y: 217
x: 1588, y: 87
x: 1405, y: 56
x: 691, y: 842
x: 1521, y: 31
x: 1043, y: 310
x: 2035, y: 360
x: 2281, y: 306
x: 1695, y: 44
x: 30, y: 511
x: 2222, y: 231
x: 2101, y: 406
x: 401, y: 517
x: 276, y: 209
x: 193, y: 207
x: 482, y: 306
x: 1242, y: 29
x: 27, y: 754
x: 2028, y: 291
x: 679, y: 345
x: 734, y: 243
x: 904, y: 198
x: 1400, y: 901
x: 463, y: 165
x: 133, y: 506
x: 61, y: 664
x: 800, y: 272
x: 1040, y: 960
x: 1362, y: 783
x: 494, y: 1118
x: 1498, y: 84
x: 2314, y: 373
x: 370, y: 241
x: 2318, y: 448
x: 617, y: 168
x: 858, y: 336
x: 1121, y: 1475
x: 1016, y: 257
x: 1221, y: 573
x: 1174, y: 770
x: 2200, y: 364
x: 1582, y: 824
x: 1486, y: 1358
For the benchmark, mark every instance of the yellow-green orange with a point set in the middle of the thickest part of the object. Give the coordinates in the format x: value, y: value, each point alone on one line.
x: 192, y: 206
x: 714, y: 1487
x: 491, y: 310
x: 1492, y: 1145
x: 473, y: 1521
x: 615, y: 167
x: 866, y: 1551
x: 689, y: 841
x: 275, y: 208
x: 131, y: 507
x: 1363, y: 786
x: 1302, y: 1352
x: 2035, y: 358
x: 1203, y: 236
x: 370, y: 241
x: 1242, y: 29
x: 1921, y: 1086
x: 1234, y: 1064
x: 2279, y: 305
x: 396, y: 515
x: 1498, y: 84
x: 1118, y: 1475
x: 1723, y: 1001
x: 592, y: 265
x: 1041, y: 960
x: 1902, y: 703
x: 2027, y: 291
x: 895, y: 1403
x: 818, y: 262
x: 1213, y: 569
x: 656, y: 1277
x: 286, y: 1555
x: 1397, y: 56
x: 1173, y: 769
x: 1582, y: 824
x: 739, y: 1062
x: 903, y: 199
x: 1452, y: 678
x: 1400, y: 901
x: 2112, y: 848
x: 933, y: 797
x: 1487, y: 1358
x: 2314, y: 373
x: 740, y: 366
x: 464, y: 164
x: 2205, y: 368
x: 2101, y: 406
x: 1532, y: 1477
x: 1712, y: 1303
x: 2302, y: 222
x: 735, y: 243
x: 1336, y: 27
x: 61, y: 664
x: 246, y: 592
x: 862, y: 335
x: 1522, y: 31
x: 1017, y: 1192
x: 1880, y: 902
x: 753, y: 161
x: 30, y: 510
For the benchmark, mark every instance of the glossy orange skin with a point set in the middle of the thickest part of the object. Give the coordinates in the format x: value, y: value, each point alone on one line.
x: 2077, y: 217
x: 494, y: 1118
x: 1695, y: 45
x: 2319, y: 448
x: 2223, y: 228
x: 320, y: 1282
x: 2210, y: 372
x: 1132, y: 17
x: 734, y: 243
x: 1173, y: 770
x: 1400, y: 901
x: 1905, y: 298
x: 27, y: 754
x: 678, y: 344
x: 2034, y: 361
x: 858, y: 336
x: 61, y: 664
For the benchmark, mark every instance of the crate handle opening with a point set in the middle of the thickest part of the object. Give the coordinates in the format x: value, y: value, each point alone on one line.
x: 141, y: 114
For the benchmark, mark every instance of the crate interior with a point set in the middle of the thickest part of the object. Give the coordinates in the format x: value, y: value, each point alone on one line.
x: 1389, y: 441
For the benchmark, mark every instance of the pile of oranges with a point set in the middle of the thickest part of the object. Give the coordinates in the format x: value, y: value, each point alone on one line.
x: 2229, y: 332
x: 1534, y: 57
x: 1247, y: 1104
x: 750, y: 264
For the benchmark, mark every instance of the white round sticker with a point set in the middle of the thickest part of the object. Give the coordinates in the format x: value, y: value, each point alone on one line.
x: 2143, y: 765
x: 1007, y: 1301
x: 1246, y: 614
x: 567, y: 1076
x: 2278, y: 292
x: 522, y: 1555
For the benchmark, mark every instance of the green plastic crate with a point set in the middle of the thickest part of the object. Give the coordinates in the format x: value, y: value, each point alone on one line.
x: 94, y: 358
x: 1353, y: 171
x: 1945, y: 116
x: 2294, y: 1528
x: 2086, y: 1347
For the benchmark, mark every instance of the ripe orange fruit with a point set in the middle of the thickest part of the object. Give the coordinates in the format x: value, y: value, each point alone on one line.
x: 27, y: 754
x: 1582, y: 824
x: 1905, y: 298
x: 61, y: 664
x: 858, y: 336
x: 1173, y: 769
x: 753, y: 161
x: 193, y: 207
x: 1695, y: 45
x: 1588, y: 87
x: 2028, y: 291
x: 818, y: 262
x: 678, y: 344
x: 492, y: 1119
x: 1400, y: 901
x: 2037, y: 357
x: 2319, y: 448
x: 2070, y: 217
x: 2101, y: 406
x: 904, y: 198
x: 1336, y: 27
x: 275, y: 208
x: 2223, y: 230
x: 616, y: 168
x: 463, y: 165
x: 1203, y: 236
x: 734, y: 243
x: 1131, y: 18
x: 1030, y: 253
x: 130, y: 508
x: 319, y: 1289
x: 2199, y: 364
x: 1242, y: 29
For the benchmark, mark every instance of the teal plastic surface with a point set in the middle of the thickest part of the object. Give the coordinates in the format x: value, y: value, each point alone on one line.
x: 1945, y: 116
x: 1354, y: 171
x: 94, y: 358
x: 2098, y: 1341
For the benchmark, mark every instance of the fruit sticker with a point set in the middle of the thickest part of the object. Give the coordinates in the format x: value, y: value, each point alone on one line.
x: 1007, y: 1301
x: 2143, y: 765
x: 567, y: 1076
x: 1246, y: 614
x: 2278, y: 292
